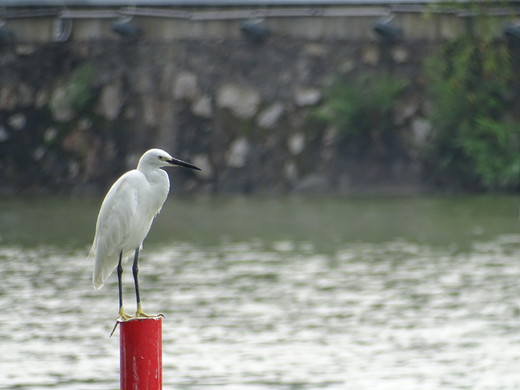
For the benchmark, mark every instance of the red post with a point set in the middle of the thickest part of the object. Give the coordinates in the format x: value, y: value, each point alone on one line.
x: 141, y: 354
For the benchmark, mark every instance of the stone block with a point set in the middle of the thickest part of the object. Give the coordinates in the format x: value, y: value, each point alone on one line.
x: 242, y: 101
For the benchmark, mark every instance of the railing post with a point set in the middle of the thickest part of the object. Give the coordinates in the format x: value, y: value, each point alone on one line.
x: 141, y: 354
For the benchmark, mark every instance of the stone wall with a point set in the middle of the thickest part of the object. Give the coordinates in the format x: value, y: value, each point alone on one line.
x: 74, y: 115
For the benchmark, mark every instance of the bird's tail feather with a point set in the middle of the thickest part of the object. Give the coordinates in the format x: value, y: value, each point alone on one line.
x: 97, y: 281
x: 102, y: 270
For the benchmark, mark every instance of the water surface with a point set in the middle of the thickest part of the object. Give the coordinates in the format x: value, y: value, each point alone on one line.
x: 292, y: 293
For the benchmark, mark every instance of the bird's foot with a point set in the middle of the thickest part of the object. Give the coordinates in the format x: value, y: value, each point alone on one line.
x: 140, y: 314
x: 123, y: 316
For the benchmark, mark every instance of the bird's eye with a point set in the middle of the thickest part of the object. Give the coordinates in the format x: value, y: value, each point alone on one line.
x: 161, y: 158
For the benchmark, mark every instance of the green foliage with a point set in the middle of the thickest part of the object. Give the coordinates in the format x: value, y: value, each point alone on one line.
x: 493, y: 150
x: 362, y: 108
x: 473, y: 144
x: 80, y: 88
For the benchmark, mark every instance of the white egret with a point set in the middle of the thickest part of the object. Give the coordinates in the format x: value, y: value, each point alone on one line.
x: 125, y: 217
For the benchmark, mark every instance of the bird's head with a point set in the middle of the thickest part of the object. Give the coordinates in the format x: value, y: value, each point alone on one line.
x: 159, y: 158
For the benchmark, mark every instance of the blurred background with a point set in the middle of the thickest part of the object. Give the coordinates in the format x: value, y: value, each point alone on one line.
x: 355, y: 222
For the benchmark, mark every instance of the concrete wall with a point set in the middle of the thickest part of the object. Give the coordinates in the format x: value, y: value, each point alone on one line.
x: 77, y: 113
x: 351, y: 23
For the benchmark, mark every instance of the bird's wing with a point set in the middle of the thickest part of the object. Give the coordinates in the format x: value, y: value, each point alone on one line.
x: 114, y: 224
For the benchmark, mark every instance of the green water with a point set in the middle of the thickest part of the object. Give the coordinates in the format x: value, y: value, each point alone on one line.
x: 458, y: 221
x: 273, y: 293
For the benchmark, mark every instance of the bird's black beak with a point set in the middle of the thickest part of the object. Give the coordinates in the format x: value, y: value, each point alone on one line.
x: 184, y: 164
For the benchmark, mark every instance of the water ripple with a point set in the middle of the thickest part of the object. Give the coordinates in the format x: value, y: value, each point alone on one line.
x: 256, y: 315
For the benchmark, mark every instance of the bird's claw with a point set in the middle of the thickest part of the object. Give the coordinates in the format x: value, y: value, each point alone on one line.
x: 122, y: 318
x: 141, y: 314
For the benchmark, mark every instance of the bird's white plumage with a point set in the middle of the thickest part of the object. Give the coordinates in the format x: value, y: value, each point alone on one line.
x: 127, y: 213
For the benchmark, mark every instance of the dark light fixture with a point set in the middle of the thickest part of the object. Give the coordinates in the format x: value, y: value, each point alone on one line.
x: 6, y: 35
x: 512, y: 33
x: 62, y: 30
x: 126, y: 30
x: 255, y: 31
x: 387, y: 31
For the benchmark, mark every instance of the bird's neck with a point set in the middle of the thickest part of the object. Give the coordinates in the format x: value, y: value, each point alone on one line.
x: 155, y: 176
x: 151, y: 173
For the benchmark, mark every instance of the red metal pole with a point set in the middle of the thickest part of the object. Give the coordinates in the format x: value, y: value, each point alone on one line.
x: 141, y: 354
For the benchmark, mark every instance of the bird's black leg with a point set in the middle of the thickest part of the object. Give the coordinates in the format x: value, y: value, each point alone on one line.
x: 119, y: 274
x: 122, y: 315
x: 135, y: 271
